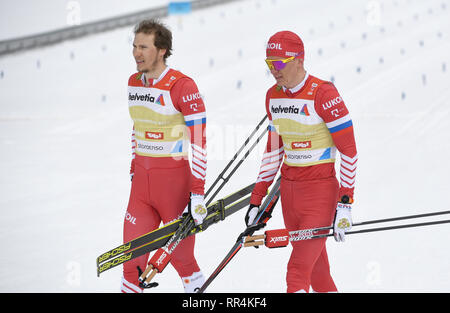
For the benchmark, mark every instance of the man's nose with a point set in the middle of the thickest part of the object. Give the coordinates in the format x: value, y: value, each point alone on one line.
x: 137, y: 52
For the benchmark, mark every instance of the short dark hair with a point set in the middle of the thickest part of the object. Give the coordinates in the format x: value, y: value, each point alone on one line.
x: 163, y: 36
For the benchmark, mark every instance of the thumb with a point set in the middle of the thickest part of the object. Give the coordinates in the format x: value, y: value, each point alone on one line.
x: 252, y: 215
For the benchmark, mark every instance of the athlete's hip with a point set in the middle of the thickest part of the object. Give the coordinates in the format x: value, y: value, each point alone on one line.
x: 309, y: 203
x: 147, y: 163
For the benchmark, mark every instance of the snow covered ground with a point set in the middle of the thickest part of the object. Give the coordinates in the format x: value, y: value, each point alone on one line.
x: 65, y: 141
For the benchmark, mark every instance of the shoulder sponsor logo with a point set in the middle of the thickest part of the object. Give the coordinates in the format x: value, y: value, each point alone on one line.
x: 301, y: 144
x: 154, y: 135
x: 192, y: 97
x: 335, y: 113
x: 331, y: 103
x: 193, y: 107
x: 311, y: 90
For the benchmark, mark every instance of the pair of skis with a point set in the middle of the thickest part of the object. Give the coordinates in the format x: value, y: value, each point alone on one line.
x: 170, y: 235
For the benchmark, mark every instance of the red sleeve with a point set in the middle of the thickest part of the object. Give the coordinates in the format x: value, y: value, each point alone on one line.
x: 187, y: 99
x: 271, y: 160
x: 133, y: 151
x: 330, y: 106
x: 133, y: 80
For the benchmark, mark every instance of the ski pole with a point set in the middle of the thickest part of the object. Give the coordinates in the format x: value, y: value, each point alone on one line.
x: 385, y: 220
x: 281, y: 237
x: 162, y: 256
x: 221, y: 175
x: 260, y: 221
x: 406, y: 217
x: 394, y: 227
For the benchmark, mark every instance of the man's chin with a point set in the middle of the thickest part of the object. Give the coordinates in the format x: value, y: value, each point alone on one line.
x: 280, y: 82
x: 141, y: 69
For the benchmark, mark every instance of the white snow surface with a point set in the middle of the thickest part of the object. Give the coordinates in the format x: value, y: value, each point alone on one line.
x: 65, y: 142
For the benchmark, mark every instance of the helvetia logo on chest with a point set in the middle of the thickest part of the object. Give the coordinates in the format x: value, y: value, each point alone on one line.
x: 304, y: 110
x: 146, y: 98
x: 285, y: 109
x: 290, y: 109
x: 160, y: 100
x: 138, y: 97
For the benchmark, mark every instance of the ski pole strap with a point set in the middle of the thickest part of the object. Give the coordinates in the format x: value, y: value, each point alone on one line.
x: 250, y: 230
x: 160, y: 260
x: 157, y: 264
x: 275, y: 238
x: 162, y: 256
x: 269, y: 203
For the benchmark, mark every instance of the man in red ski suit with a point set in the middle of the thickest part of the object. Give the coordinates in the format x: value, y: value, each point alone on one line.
x: 168, y: 115
x: 308, y: 123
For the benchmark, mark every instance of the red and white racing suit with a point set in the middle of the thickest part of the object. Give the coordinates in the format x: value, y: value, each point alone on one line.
x: 168, y: 115
x: 307, y: 124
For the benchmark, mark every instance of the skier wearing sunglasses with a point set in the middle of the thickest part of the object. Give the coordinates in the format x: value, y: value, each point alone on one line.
x: 308, y: 124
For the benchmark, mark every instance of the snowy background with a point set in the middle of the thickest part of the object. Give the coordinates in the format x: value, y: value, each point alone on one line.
x: 65, y: 137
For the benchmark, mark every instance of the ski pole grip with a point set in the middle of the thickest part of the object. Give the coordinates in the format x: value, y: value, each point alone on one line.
x: 276, y: 238
x: 254, y: 241
x: 160, y: 259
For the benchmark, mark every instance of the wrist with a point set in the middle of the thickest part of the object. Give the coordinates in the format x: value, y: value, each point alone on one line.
x: 256, y: 199
x: 343, y: 206
x: 346, y: 199
x: 197, y: 196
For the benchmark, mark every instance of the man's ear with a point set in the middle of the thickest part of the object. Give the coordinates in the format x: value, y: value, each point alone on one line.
x: 161, y: 53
